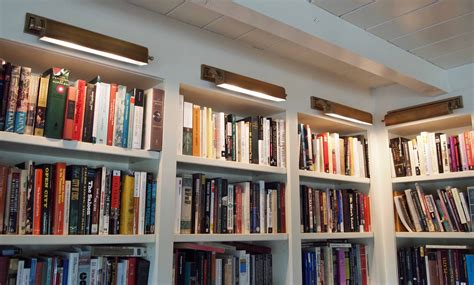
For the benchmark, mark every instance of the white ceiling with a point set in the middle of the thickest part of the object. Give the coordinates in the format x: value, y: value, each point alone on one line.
x: 439, y: 31
x: 209, y: 20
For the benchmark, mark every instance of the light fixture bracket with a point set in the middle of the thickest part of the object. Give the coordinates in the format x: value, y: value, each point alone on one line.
x: 212, y: 74
x: 34, y: 24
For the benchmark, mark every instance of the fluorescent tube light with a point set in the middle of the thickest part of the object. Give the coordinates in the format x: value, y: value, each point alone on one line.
x: 249, y: 92
x: 347, y: 119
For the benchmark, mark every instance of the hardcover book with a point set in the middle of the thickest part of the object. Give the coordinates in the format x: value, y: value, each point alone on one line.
x: 5, y: 74
x: 138, y: 118
x: 89, y: 110
x: 22, y: 101
x: 32, y: 100
x: 57, y: 90
x: 41, y: 107
x: 119, y: 115
x: 154, y: 114
x: 80, y: 107
x: 69, y: 113
x: 12, y: 99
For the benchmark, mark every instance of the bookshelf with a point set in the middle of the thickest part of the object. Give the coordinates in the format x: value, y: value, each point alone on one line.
x: 452, y: 125
x: 229, y: 237
x: 16, y: 148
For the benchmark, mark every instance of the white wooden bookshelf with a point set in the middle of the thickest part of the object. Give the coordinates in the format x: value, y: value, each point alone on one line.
x: 229, y: 237
x: 437, y: 235
x: 327, y: 236
x: 329, y: 177
x: 77, y: 239
x: 435, y: 177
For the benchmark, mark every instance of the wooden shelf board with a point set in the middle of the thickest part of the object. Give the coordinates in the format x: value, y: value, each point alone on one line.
x: 322, y: 123
x: 42, y: 145
x: 215, y: 163
x: 324, y: 236
x: 437, y: 235
x: 229, y: 103
x: 443, y: 176
x: 228, y: 237
x: 454, y: 121
x: 81, y: 67
x: 75, y: 239
x: 332, y: 177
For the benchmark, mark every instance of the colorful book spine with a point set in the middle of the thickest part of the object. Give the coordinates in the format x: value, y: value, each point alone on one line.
x: 47, y: 198
x: 138, y: 118
x: 153, y: 124
x: 22, y: 101
x: 119, y: 115
x: 57, y: 89
x: 32, y: 100
x: 38, y: 199
x: 41, y: 107
x: 5, y: 79
x: 115, y: 203
x: 69, y: 112
x: 126, y: 119
x: 12, y: 99
x: 112, y: 111
x: 59, y: 198
x: 126, y: 205
x: 79, y: 110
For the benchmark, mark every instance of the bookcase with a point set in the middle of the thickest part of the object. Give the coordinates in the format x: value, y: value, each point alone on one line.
x: 451, y: 125
x: 16, y: 148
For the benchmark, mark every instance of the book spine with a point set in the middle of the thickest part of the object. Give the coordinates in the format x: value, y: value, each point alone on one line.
x: 138, y: 119
x: 115, y: 203
x: 89, y: 110
x: 179, y: 143
x: 230, y: 208
x: 136, y: 201
x: 87, y: 207
x: 67, y: 199
x: 111, y: 114
x: 98, y: 108
x: 131, y: 121
x: 107, y: 202
x: 153, y: 207
x: 188, y: 128
x: 30, y: 168
x: 69, y: 113
x: 154, y: 108
x: 58, y: 83
x: 94, y: 229
x: 46, y: 205
x: 119, y: 115
x: 32, y: 100
x: 58, y: 192
x: 126, y: 119
x: 196, y: 130
x: 469, y: 150
x: 142, y: 203
x: 79, y: 110
x: 37, y: 201
x: 149, y: 185
x: 4, y: 186
x: 23, y: 185
x: 126, y: 205
x: 5, y: 74
x: 102, y: 192
x: 73, y: 174
x: 12, y: 99
x: 103, y: 103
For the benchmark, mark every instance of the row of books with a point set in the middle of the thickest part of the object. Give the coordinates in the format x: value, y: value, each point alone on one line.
x: 216, y: 135
x: 91, y: 265
x: 75, y: 199
x: 331, y: 153
x: 222, y: 263
x: 95, y: 112
x: 215, y: 206
x: 334, y: 262
x: 448, y: 210
x: 432, y: 153
x: 334, y: 210
x: 436, y: 265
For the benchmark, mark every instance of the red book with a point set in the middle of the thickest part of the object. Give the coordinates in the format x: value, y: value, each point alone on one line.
x: 132, y: 270
x: 110, y: 127
x: 4, y: 170
x: 363, y: 266
x: 4, y: 264
x: 79, y: 110
x: 69, y: 111
x: 59, y: 193
x: 282, y: 208
x: 115, y: 202
x: 39, y: 272
x: 38, y: 191
x: 457, y: 153
x: 367, y: 227
x: 325, y: 151
x: 469, y: 154
x: 238, y: 209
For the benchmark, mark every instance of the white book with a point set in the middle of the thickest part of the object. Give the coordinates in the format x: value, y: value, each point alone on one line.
x: 457, y: 203
x: 125, y: 271
x: 204, y: 132
x: 26, y: 276
x: 433, y: 153
x: 277, y: 144
x: 241, y: 140
x: 22, y: 202
x: 178, y: 199
x: 316, y: 155
x: 263, y: 203
x: 465, y: 206
x: 412, y: 158
x: 423, y: 150
x: 331, y: 153
x: 230, y: 208
x: 213, y: 136
x: 119, y: 114
x: 130, y: 121
x: 282, y: 143
x: 246, y: 207
x: 103, y: 116
x: 97, y: 105
x: 136, y: 196
x: 19, y: 274
x: 73, y: 266
x: 411, y: 208
x: 32, y: 100
x: 462, y: 151
x: 142, y: 204
x: 179, y: 143
x: 121, y: 273
x: 361, y: 159
x: 399, y: 208
x: 357, y: 166
x: 445, y: 153
x: 138, y: 120
x: 416, y: 158
x: 94, y: 271
x: 210, y: 135
x: 67, y: 201
x: 221, y: 135
x: 218, y: 276
x: 103, y: 220
x: 245, y: 138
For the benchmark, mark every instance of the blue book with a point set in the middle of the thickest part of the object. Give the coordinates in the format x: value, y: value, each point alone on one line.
x: 33, y: 263
x: 126, y: 119
x: 340, y: 218
x: 153, y: 207
x: 470, y: 268
x: 65, y: 270
x: 149, y: 187
x: 470, y: 197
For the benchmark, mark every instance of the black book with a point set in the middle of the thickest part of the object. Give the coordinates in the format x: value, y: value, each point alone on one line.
x: 73, y: 174
x: 218, y: 199
x: 47, y: 199
x: 89, y: 200
x: 274, y: 143
x: 406, y: 158
x: 254, y: 137
x: 419, y: 210
x: 143, y: 270
x: 5, y: 86
x: 148, y: 203
x: 82, y: 215
x: 304, y: 207
x: 89, y: 113
x: 346, y: 218
x: 230, y: 137
x: 207, y: 207
x: 224, y: 201
x: 397, y: 156
x: 439, y: 155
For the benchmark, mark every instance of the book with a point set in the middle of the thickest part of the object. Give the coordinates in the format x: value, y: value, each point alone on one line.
x: 47, y: 199
x: 102, y: 104
x: 131, y: 120
x: 153, y: 122
x: 56, y: 102
x: 59, y: 198
x: 138, y: 118
x: 115, y: 203
x: 32, y: 104
x: 79, y: 110
x: 4, y: 174
x: 69, y: 113
x: 12, y: 98
x: 89, y: 112
x: 22, y: 100
x: 119, y: 115
x: 73, y: 174
x: 188, y: 128
x: 5, y: 79
x: 126, y: 119
x: 111, y: 113
x: 126, y: 205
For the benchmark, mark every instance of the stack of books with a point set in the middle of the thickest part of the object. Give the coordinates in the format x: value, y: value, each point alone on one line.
x: 334, y: 210
x: 216, y: 135
x: 77, y: 265
x: 215, y: 206
x: 432, y: 153
x: 96, y: 112
x: 43, y: 199
x: 446, y: 211
x: 217, y: 263
x: 436, y: 264
x: 331, y: 153
x: 334, y: 262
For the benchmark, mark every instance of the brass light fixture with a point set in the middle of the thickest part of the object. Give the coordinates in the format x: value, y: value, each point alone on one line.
x: 340, y: 111
x: 84, y: 40
x: 423, y: 111
x: 243, y: 84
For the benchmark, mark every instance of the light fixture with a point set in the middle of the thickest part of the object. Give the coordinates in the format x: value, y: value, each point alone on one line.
x: 423, y: 111
x: 340, y: 111
x: 62, y: 34
x: 242, y: 84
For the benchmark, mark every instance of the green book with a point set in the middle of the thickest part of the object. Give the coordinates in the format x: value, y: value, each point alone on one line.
x: 57, y: 93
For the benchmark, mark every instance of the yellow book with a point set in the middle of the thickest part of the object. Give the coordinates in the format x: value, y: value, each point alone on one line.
x: 351, y: 155
x: 41, y: 106
x: 126, y: 205
x: 210, y: 132
x: 196, y: 130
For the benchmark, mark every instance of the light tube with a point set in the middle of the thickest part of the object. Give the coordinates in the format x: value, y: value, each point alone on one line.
x: 347, y: 119
x: 250, y: 92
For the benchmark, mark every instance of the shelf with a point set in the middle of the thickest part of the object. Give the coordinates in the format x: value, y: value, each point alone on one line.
x: 75, y: 239
x: 437, y: 235
x: 455, y: 121
x: 324, y: 236
x: 228, y: 237
x: 40, y: 59
x: 322, y: 123
x: 443, y: 176
x: 62, y: 148
x: 213, y: 164
x: 328, y: 177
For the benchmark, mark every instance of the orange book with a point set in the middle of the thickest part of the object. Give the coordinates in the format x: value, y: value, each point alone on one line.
x: 70, y: 109
x: 469, y: 153
x: 38, y: 190
x: 111, y: 120
x: 79, y: 110
x: 59, y: 193
x: 196, y: 130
